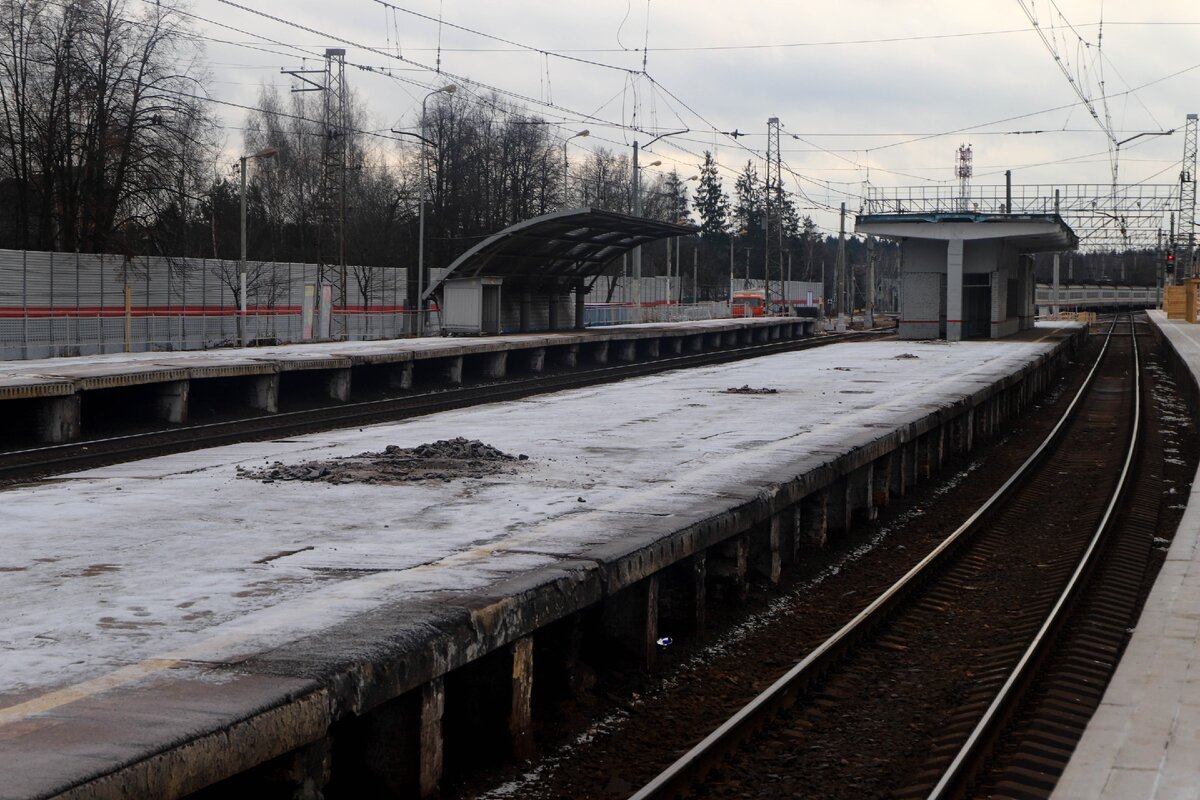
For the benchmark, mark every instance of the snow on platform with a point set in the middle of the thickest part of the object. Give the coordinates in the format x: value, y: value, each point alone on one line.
x: 116, y: 577
x: 1144, y: 739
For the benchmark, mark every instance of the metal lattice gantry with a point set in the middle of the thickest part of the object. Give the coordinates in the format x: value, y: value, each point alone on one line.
x: 1186, y: 236
x: 334, y: 157
x: 773, y: 194
x: 1103, y: 216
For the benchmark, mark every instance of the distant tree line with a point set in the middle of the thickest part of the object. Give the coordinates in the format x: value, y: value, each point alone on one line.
x: 107, y: 145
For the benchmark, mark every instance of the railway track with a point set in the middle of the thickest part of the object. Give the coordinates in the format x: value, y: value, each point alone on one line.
x: 953, y: 649
x: 27, y: 463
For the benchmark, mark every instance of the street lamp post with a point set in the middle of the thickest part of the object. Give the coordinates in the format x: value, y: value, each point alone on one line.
x: 420, y: 326
x: 581, y: 135
x: 266, y: 152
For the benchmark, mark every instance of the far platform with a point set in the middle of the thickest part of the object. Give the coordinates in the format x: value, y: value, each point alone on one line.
x: 44, y: 399
x: 1144, y: 740
x: 167, y: 623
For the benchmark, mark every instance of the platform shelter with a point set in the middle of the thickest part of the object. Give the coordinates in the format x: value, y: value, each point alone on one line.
x: 967, y: 275
x: 523, y: 277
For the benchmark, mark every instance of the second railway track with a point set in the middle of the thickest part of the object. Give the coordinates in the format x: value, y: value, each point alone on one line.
x: 930, y: 655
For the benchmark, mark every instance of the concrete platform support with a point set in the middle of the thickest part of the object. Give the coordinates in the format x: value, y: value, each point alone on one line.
x: 58, y: 419
x: 881, y: 481
x: 401, y: 376
x: 746, y: 335
x: 535, y: 359
x: 337, y: 385
x: 626, y: 350
x: 901, y: 469
x: 431, y: 743
x: 171, y: 401
x: 699, y: 593
x: 566, y: 355
x: 262, y: 393
x: 520, y: 718
x: 630, y: 618
x: 649, y: 348
x: 599, y: 352
x: 729, y: 563
x: 451, y: 369
x: 761, y: 335
x: 696, y: 343
x: 860, y: 500
x: 713, y: 339
x: 812, y: 524
x: 673, y: 345
x: 838, y: 516
x: 495, y: 365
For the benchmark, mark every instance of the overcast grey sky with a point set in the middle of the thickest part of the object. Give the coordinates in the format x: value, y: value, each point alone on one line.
x: 875, y: 90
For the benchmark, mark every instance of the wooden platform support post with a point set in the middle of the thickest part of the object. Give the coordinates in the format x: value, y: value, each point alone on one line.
x: 431, y: 744
x: 520, y: 719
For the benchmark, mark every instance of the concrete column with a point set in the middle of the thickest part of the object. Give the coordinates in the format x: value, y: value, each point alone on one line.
x: 337, y: 385
x: 674, y: 345
x: 400, y: 376
x: 696, y: 343
x: 263, y: 393
x: 775, y: 543
x: 580, y: 304
x: 762, y: 334
x: 171, y: 401
x: 452, y: 369
x: 812, y: 528
x: 552, y: 312
x: 520, y: 718
x: 526, y: 323
x: 954, y: 290
x: 431, y: 743
x: 714, y: 339
x: 59, y: 419
x: 650, y: 346
x: 626, y: 350
x: 600, y: 352
x: 495, y: 365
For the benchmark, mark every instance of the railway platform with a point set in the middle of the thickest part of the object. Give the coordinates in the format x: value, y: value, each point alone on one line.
x: 1143, y: 739
x: 56, y: 397
x: 177, y: 622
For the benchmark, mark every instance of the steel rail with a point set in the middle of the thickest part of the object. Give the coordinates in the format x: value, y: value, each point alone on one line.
x: 963, y: 769
x: 676, y: 779
x: 27, y: 462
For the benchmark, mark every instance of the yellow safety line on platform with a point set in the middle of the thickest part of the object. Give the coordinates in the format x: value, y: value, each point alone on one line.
x: 89, y: 688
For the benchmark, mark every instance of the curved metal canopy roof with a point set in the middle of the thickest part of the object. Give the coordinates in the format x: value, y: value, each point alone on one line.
x: 559, y: 247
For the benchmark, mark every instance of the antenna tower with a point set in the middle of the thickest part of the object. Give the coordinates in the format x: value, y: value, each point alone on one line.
x: 1187, y: 199
x: 963, y: 171
x: 773, y: 195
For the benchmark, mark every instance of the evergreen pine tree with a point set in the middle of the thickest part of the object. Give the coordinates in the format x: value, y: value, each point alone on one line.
x: 711, y: 202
